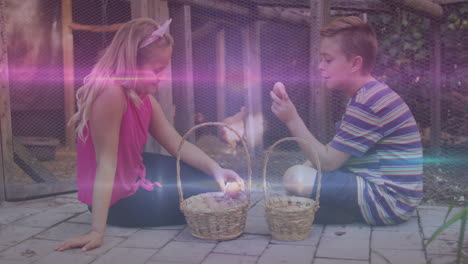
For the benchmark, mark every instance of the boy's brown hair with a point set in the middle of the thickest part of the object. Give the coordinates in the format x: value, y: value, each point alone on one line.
x: 356, y: 37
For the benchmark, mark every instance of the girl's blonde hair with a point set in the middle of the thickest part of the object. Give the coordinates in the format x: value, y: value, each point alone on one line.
x: 118, y: 65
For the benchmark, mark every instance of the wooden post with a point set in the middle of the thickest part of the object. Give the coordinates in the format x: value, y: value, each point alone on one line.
x: 435, y: 98
x: 6, y: 154
x: 320, y: 11
x: 183, y: 69
x: 159, y: 11
x: 221, y: 75
x: 253, y: 85
x: 68, y: 72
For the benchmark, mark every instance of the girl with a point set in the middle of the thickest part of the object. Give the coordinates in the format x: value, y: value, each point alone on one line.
x: 120, y: 184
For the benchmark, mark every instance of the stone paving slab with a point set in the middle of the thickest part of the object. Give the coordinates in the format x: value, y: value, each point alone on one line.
x: 440, y: 247
x: 120, y: 231
x: 126, y: 255
x: 153, y: 239
x: 252, y: 245
x: 184, y: 252
x: 41, y: 203
x: 11, y: 214
x: 354, y: 231
x: 45, y: 219
x: 83, y: 218
x: 396, y: 240
x: 15, y: 234
x: 276, y: 254
x: 65, y: 257
x: 28, y: 234
x: 12, y: 262
x: 256, y: 225
x: 64, y: 231
x: 186, y: 236
x: 255, y: 197
x: 28, y: 251
x: 258, y: 210
x: 411, y: 225
x: 109, y: 243
x: 382, y: 256
x: 69, y: 208
x: 3, y: 248
x: 433, y: 216
x: 340, y: 261
x: 447, y: 234
x: 331, y: 247
x: 442, y: 259
x: 217, y: 258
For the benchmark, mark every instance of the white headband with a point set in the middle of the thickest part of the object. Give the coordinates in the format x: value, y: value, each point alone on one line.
x: 157, y: 33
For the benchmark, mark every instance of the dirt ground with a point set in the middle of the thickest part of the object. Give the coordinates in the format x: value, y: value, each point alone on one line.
x: 444, y: 178
x: 63, y: 167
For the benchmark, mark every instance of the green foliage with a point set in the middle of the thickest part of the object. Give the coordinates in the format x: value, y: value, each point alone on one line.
x: 462, y: 215
x: 404, y: 56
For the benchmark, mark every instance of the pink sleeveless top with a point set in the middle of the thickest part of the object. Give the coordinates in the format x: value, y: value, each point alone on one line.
x: 130, y: 172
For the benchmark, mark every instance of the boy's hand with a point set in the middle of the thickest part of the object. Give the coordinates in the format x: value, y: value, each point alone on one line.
x: 281, y: 106
x: 279, y: 90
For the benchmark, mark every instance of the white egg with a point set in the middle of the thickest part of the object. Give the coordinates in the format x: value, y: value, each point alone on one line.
x: 232, y: 189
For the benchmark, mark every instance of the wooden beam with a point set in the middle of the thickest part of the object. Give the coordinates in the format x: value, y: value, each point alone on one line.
x: 6, y: 150
x: 68, y: 72
x: 183, y: 69
x: 423, y: 7
x: 277, y: 14
x: 356, y: 5
x: 436, y: 87
x: 449, y: 2
x: 320, y: 10
x: 198, y: 34
x: 19, y: 192
x: 221, y: 75
x: 216, y: 5
x: 282, y: 14
x: 253, y: 86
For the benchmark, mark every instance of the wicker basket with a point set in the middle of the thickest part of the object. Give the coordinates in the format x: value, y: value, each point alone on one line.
x: 290, y: 218
x: 224, y: 223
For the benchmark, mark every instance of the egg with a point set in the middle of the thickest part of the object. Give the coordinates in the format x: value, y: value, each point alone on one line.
x: 212, y: 204
x: 278, y: 88
x: 232, y: 189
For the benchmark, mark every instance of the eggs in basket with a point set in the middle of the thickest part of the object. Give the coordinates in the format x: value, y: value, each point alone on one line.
x: 218, y: 201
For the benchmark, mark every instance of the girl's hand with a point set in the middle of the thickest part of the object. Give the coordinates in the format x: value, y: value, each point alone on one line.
x: 224, y: 175
x: 281, y: 106
x: 89, y: 241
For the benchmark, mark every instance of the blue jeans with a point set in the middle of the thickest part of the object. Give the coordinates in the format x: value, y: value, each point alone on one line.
x: 338, y: 198
x: 160, y: 207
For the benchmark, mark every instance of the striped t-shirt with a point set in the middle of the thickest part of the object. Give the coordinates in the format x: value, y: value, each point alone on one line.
x: 380, y: 132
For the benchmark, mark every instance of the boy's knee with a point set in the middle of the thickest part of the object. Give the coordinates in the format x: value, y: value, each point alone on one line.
x: 299, y: 180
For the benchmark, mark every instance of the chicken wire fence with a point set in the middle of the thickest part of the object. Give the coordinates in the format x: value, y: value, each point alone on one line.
x: 406, y: 47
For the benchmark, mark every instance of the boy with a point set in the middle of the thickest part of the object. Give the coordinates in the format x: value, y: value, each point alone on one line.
x: 373, y: 166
